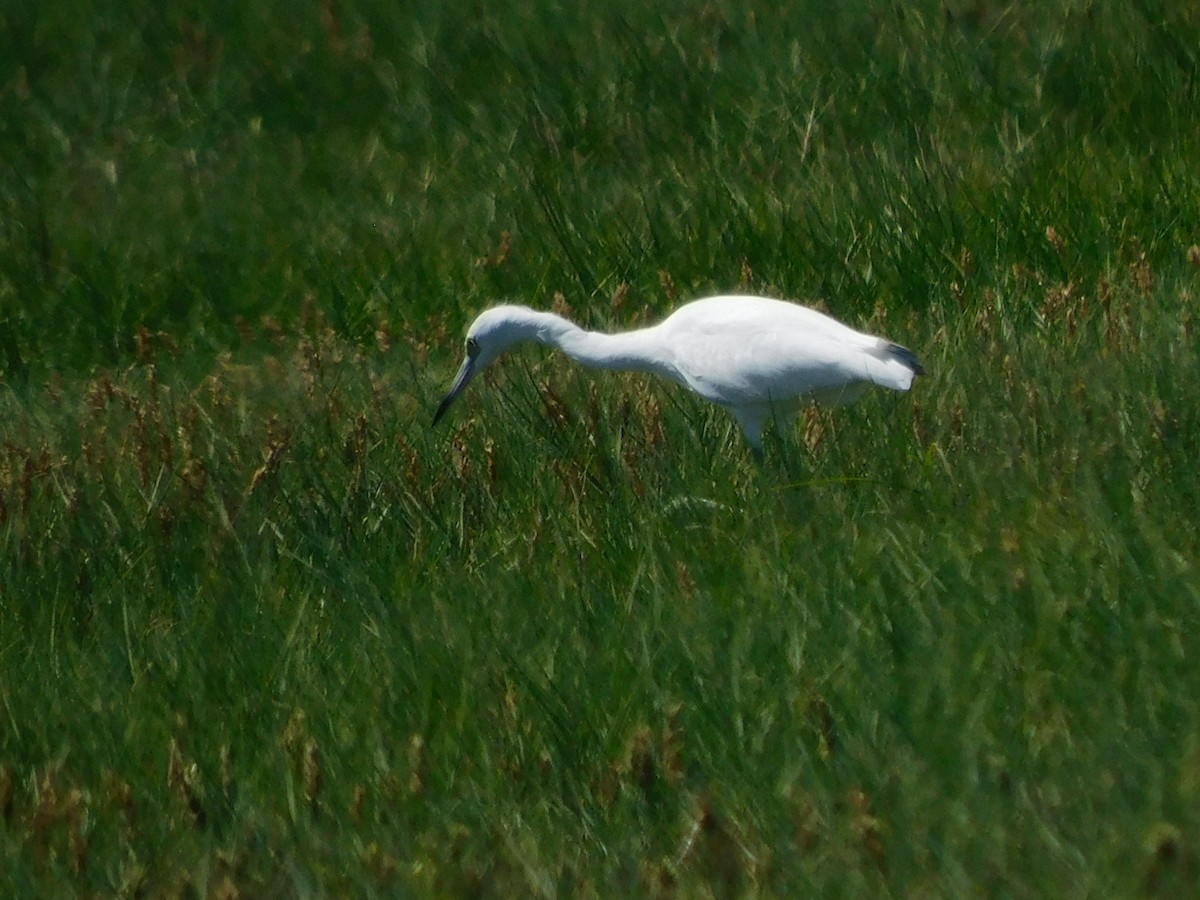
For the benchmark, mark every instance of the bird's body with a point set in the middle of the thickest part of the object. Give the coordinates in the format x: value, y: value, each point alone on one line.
x: 755, y: 356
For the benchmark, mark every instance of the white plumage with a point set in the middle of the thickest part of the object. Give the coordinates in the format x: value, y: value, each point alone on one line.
x: 755, y: 356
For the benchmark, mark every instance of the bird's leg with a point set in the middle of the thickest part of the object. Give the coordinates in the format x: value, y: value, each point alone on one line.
x: 751, y: 419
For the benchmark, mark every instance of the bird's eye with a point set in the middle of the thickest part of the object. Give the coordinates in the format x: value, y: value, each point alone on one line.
x: 472, y: 346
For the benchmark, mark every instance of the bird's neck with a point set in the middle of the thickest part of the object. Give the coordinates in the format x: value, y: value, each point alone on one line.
x: 637, y: 351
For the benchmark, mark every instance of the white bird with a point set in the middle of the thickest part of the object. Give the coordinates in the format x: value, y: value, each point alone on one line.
x: 758, y: 358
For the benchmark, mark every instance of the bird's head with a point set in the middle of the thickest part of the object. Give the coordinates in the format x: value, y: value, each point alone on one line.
x: 493, y: 332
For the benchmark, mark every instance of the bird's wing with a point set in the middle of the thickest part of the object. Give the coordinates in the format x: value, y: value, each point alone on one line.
x: 741, y: 363
x: 751, y: 315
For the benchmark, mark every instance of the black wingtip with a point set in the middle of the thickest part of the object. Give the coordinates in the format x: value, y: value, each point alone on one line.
x: 907, y: 357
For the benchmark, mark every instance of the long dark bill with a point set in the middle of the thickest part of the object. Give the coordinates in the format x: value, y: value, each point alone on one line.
x: 465, y: 371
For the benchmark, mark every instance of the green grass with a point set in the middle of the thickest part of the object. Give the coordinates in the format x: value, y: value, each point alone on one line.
x: 263, y: 630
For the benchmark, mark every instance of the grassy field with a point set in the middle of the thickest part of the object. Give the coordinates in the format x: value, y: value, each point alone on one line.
x: 265, y: 632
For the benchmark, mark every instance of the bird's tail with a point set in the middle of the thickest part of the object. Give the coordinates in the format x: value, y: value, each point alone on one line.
x: 893, y: 366
x: 905, y: 356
